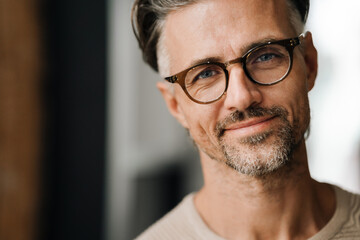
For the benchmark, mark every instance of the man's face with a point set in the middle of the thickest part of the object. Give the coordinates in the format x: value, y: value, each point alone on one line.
x: 252, y: 128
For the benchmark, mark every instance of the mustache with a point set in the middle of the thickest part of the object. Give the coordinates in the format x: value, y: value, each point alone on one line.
x: 251, y: 112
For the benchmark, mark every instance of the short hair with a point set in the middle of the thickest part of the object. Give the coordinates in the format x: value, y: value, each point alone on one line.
x: 148, y: 17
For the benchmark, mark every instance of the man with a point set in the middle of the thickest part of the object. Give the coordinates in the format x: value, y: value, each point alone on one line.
x: 238, y: 73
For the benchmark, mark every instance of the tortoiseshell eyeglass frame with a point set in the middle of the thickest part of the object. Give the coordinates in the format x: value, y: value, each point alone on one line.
x: 289, y: 44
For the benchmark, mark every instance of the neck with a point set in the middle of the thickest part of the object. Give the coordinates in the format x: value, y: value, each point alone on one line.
x: 286, y: 204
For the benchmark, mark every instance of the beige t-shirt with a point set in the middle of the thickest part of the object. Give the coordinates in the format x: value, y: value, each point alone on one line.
x: 184, y: 222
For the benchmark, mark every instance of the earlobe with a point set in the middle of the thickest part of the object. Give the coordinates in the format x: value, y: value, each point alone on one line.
x: 172, y: 103
x: 310, y: 55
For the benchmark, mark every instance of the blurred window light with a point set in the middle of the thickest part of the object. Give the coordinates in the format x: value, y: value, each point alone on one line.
x: 334, y: 143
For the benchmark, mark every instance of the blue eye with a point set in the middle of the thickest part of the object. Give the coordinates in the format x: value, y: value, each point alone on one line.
x: 206, y: 74
x: 266, y: 57
x: 269, y: 55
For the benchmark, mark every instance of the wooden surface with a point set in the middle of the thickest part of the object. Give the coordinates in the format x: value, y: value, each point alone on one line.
x: 20, y: 116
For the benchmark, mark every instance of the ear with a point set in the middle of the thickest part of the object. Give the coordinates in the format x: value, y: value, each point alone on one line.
x: 172, y: 103
x: 310, y: 55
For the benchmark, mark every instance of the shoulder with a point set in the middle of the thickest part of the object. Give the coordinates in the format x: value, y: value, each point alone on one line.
x: 172, y: 224
x: 353, y: 205
x: 349, y: 201
x: 349, y: 205
x: 345, y: 223
x: 183, y: 222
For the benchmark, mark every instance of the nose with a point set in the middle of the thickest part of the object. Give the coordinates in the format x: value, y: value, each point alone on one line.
x: 241, y: 92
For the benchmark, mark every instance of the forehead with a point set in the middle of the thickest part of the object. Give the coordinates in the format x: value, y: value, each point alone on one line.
x: 222, y: 29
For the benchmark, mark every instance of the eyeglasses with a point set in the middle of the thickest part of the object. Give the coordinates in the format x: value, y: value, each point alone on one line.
x: 265, y: 64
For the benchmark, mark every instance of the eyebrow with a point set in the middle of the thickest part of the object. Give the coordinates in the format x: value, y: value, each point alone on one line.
x: 244, y: 50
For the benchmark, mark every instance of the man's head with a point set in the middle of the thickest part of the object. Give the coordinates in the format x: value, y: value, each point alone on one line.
x: 254, y: 128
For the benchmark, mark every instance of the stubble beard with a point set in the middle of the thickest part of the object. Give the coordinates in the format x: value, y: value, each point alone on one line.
x: 261, y: 154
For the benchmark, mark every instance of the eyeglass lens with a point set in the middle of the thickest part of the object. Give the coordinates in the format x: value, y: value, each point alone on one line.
x: 268, y: 64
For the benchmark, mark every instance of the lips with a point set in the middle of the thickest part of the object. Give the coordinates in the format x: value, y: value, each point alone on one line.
x: 249, y: 123
x: 253, y: 120
x: 250, y: 127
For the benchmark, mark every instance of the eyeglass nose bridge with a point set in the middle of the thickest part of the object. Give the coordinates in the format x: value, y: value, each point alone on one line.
x: 236, y: 60
x: 242, y: 61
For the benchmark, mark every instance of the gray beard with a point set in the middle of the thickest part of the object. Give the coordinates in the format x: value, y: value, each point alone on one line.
x: 258, y: 155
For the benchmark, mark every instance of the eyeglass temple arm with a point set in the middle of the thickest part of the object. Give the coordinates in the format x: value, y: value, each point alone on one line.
x: 297, y: 41
x: 302, y: 36
x: 172, y: 79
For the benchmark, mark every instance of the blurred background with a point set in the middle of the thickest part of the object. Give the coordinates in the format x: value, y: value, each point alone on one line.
x: 87, y: 147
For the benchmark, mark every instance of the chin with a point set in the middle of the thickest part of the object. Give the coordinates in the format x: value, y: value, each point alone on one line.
x: 260, y: 154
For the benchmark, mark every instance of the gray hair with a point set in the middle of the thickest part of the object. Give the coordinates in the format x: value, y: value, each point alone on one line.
x: 148, y: 20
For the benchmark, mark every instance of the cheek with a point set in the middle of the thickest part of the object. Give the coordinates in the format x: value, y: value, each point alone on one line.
x: 297, y: 104
x: 303, y: 113
x: 291, y: 94
x: 300, y: 104
x: 202, y: 122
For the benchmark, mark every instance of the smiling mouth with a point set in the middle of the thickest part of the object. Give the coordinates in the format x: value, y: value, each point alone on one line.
x: 252, y: 121
x: 250, y: 127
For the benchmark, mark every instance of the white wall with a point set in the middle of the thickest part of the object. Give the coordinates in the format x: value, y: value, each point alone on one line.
x: 334, y: 143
